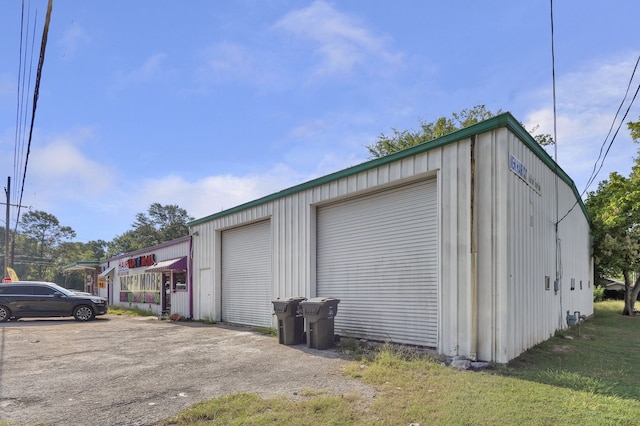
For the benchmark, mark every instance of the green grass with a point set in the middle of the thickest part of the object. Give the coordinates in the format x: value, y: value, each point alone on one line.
x: 602, y: 359
x: 117, y: 310
x: 267, y: 331
x: 208, y: 320
x: 250, y: 409
x: 587, y: 379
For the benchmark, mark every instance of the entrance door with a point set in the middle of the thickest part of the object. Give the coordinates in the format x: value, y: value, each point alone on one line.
x: 205, y: 295
x: 166, y: 293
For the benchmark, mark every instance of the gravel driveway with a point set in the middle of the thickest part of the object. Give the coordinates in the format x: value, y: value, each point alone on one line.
x: 120, y: 370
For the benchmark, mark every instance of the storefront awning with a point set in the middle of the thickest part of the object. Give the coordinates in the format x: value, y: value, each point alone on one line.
x: 107, y: 271
x: 179, y: 264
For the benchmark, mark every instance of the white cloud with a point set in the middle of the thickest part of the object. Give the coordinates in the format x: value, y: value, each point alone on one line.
x: 61, y: 172
x: 587, y: 100
x: 212, y: 194
x: 74, y: 36
x: 310, y: 129
x: 150, y: 70
x: 229, y: 58
x: 227, y: 61
x: 342, y: 43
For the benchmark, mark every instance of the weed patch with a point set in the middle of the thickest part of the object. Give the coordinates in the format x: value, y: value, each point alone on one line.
x: 137, y: 312
x: 569, y: 379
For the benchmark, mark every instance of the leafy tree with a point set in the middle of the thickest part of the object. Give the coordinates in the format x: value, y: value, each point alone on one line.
x: 42, y: 236
x: 124, y: 243
x: 69, y: 252
x: 429, y: 131
x: 159, y: 225
x: 614, y: 209
x: 634, y: 128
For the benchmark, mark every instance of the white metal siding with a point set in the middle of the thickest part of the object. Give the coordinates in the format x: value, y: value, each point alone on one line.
x: 180, y: 301
x: 534, y: 313
x: 246, y: 274
x: 494, y: 317
x: 378, y: 255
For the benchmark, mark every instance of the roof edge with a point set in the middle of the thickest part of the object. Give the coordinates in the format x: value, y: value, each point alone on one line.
x: 502, y: 120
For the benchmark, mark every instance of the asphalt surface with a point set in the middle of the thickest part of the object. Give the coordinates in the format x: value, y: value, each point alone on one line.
x: 120, y: 370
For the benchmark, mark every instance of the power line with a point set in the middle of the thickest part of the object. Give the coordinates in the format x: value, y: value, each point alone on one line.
x: 595, y: 172
x: 596, y: 168
x: 43, y: 45
x: 22, y: 105
x: 558, y: 247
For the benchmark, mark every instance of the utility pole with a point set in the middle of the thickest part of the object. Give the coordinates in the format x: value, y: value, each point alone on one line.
x: 7, y: 191
x: 8, y: 249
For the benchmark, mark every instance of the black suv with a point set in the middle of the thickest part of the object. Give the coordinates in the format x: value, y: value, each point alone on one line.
x: 23, y: 299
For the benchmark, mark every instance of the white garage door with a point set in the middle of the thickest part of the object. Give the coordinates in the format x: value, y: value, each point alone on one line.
x: 378, y: 254
x: 246, y: 275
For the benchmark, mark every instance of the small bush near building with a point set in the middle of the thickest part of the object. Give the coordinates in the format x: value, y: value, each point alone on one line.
x: 117, y: 310
x: 598, y: 294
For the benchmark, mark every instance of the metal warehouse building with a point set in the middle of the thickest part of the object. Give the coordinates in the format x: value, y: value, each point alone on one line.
x: 451, y: 244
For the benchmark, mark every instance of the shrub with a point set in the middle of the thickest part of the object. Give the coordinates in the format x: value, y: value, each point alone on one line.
x: 598, y: 293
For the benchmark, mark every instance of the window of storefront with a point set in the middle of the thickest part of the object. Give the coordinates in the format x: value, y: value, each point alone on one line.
x: 180, y: 281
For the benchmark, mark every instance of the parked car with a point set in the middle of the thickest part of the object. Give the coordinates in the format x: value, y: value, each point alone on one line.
x: 22, y: 299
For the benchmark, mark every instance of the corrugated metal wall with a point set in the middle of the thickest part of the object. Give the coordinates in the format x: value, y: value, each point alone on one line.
x: 517, y: 250
x: 180, y: 301
x: 246, y: 274
x: 496, y: 242
x: 293, y: 228
x: 378, y: 254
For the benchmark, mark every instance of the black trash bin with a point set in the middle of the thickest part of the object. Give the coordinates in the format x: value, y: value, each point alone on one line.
x: 290, y: 320
x: 319, y: 313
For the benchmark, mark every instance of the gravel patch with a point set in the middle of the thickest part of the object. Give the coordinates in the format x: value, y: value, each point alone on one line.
x: 120, y: 370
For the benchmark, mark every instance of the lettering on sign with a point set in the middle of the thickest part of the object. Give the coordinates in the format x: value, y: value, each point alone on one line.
x: 141, y: 288
x: 136, y: 262
x: 521, y: 170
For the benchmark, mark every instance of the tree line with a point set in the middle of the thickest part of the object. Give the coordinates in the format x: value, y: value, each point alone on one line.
x: 43, y: 246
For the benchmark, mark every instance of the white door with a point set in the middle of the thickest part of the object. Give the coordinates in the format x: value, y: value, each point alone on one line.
x: 205, y: 294
x: 378, y: 254
x: 246, y: 275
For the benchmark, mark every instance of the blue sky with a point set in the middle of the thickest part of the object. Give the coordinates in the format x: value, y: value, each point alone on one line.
x: 209, y: 104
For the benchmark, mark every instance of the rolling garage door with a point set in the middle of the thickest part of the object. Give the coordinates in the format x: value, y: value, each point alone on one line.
x: 378, y: 254
x: 246, y: 275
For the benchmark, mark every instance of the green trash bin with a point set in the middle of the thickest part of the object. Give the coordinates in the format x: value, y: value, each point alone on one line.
x: 319, y: 312
x: 290, y: 320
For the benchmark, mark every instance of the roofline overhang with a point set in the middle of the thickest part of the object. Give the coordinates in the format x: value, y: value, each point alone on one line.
x: 502, y: 120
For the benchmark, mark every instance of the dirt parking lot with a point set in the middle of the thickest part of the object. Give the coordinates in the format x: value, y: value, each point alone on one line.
x: 120, y: 370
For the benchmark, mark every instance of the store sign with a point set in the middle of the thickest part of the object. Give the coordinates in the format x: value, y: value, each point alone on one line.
x: 522, y: 171
x: 136, y: 262
x: 141, y: 261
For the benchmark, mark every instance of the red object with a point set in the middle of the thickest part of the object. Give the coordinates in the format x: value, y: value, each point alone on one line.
x: 6, y: 280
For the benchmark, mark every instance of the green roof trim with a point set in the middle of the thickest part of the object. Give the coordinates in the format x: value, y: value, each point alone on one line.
x: 80, y: 265
x: 503, y: 120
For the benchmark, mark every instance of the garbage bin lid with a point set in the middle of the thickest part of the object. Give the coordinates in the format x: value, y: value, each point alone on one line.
x: 289, y: 299
x: 320, y: 300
